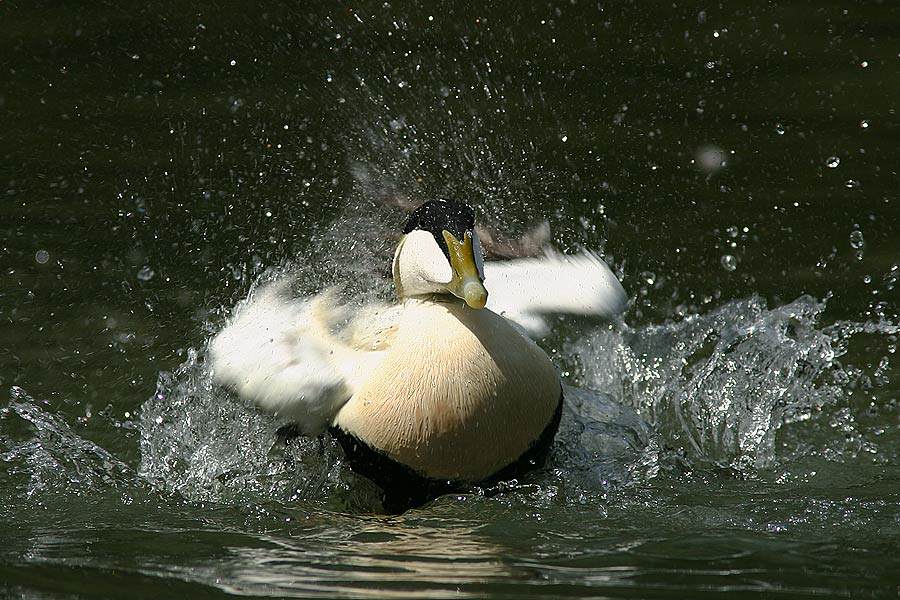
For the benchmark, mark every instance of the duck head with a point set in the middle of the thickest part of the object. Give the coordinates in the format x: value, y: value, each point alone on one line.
x: 440, y: 253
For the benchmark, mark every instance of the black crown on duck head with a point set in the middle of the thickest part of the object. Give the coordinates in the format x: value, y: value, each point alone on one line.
x: 436, y: 216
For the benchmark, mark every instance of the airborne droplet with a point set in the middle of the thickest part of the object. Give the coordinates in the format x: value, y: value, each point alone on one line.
x: 146, y: 273
x: 729, y: 262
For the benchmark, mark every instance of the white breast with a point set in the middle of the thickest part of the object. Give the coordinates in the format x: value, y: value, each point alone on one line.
x: 460, y: 394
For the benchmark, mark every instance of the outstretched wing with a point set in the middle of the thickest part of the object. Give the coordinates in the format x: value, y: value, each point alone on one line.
x: 279, y: 353
x: 524, y: 290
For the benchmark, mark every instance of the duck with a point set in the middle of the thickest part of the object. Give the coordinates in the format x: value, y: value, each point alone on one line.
x: 443, y: 389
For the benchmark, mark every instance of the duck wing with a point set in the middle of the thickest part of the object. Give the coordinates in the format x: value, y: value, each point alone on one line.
x: 523, y: 290
x: 281, y: 354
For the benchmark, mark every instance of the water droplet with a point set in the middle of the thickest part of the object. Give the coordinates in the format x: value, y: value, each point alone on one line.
x: 832, y: 162
x: 732, y: 231
x: 779, y: 129
x: 648, y: 277
x: 864, y: 123
x: 233, y: 62
x: 729, y: 262
x: 42, y: 257
x: 851, y: 183
x: 146, y: 273
x: 864, y: 64
x: 565, y: 138
x: 856, y: 239
x: 867, y: 279
x: 711, y: 158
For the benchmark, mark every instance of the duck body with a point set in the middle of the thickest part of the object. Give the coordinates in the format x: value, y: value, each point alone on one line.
x: 460, y: 394
x: 431, y: 393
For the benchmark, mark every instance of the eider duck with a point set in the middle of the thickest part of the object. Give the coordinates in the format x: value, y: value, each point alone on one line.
x: 442, y: 390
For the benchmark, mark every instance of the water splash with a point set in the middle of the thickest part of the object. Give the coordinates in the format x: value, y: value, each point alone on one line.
x: 712, y: 390
x: 202, y: 443
x: 42, y: 454
x: 729, y: 262
x: 601, y: 445
x: 744, y: 387
x: 717, y: 388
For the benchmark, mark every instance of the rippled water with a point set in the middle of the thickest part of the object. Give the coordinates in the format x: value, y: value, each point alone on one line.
x: 737, y: 433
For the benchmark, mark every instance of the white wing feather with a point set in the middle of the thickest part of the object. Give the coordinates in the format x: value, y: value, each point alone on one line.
x: 280, y: 354
x: 523, y: 290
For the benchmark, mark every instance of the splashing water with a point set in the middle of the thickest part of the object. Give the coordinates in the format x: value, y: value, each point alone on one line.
x: 202, y: 443
x: 44, y: 455
x: 743, y: 387
x: 718, y: 387
x: 712, y: 390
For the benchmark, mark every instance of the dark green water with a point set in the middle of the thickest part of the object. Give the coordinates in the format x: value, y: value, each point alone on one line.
x: 737, y: 162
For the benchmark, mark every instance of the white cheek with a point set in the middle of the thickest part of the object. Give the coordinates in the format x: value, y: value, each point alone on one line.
x: 421, y: 259
x: 479, y: 255
x: 436, y: 268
